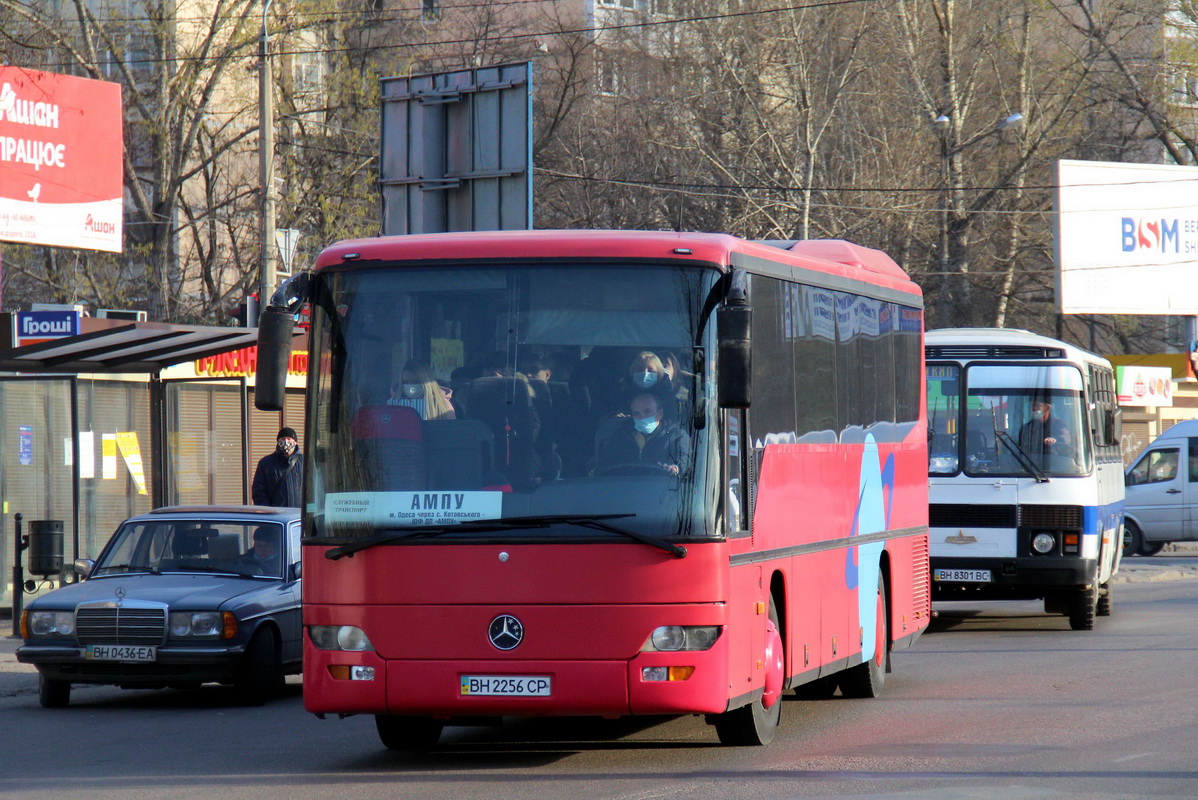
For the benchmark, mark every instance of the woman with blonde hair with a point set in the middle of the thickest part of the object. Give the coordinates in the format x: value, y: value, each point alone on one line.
x: 418, y: 389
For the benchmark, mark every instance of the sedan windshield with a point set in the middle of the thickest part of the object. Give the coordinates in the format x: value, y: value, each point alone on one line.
x: 159, y: 546
x: 461, y: 394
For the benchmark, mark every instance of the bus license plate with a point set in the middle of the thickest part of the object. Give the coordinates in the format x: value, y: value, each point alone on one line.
x: 116, y: 652
x: 963, y: 575
x: 508, y: 685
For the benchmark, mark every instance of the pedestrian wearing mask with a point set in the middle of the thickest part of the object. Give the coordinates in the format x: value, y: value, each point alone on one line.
x: 279, y: 478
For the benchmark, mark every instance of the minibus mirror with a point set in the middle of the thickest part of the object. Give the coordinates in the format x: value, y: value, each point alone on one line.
x: 734, y: 324
x: 1115, y: 426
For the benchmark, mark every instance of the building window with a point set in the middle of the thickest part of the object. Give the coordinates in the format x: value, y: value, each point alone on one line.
x: 625, y: 4
x: 430, y: 10
x: 307, y: 72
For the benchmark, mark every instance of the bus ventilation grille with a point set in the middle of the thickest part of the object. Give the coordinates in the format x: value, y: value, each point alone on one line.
x: 1050, y: 516
x: 991, y: 351
x: 956, y: 515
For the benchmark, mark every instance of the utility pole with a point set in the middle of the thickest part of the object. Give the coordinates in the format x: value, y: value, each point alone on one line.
x: 266, y: 167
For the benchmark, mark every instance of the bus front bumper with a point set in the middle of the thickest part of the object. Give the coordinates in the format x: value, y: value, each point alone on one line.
x: 1009, y: 578
x: 338, y: 682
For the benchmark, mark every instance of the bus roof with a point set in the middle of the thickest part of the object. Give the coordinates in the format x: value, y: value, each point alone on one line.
x: 833, y: 257
x: 968, y: 343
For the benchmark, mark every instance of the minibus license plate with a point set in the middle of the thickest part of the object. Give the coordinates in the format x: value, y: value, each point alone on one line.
x: 508, y: 685
x: 963, y: 575
x: 121, y: 652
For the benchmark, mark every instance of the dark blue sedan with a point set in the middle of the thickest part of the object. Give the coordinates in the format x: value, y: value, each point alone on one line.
x: 178, y: 597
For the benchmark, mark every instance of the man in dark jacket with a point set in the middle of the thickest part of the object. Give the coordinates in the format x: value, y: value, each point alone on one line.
x: 280, y: 475
x: 647, y: 438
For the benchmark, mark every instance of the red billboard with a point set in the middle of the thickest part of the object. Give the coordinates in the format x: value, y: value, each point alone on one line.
x: 61, y: 160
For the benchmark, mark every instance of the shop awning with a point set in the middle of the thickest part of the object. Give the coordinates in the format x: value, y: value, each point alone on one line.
x: 115, y: 346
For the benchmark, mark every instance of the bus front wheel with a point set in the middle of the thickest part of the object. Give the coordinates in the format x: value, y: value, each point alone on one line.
x: 407, y: 733
x: 1083, y: 607
x: 756, y: 723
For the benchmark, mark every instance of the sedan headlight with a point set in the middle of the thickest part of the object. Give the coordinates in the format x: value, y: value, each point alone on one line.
x: 210, y: 624
x: 51, y: 623
x: 339, y: 637
x: 672, y: 638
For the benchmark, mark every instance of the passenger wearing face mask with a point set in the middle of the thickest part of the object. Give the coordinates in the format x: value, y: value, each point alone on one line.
x: 418, y: 389
x: 279, y: 478
x: 647, y: 438
x: 649, y: 373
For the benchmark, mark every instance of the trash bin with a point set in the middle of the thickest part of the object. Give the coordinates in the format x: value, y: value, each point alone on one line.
x: 45, y: 547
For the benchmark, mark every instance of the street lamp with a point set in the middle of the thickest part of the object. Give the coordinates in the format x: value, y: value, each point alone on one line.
x: 955, y: 219
x: 266, y: 167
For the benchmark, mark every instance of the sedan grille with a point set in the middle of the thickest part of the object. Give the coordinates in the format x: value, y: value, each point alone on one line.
x: 112, y: 624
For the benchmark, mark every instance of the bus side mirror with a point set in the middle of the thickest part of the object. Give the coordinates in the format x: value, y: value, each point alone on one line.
x: 734, y: 324
x: 274, y: 352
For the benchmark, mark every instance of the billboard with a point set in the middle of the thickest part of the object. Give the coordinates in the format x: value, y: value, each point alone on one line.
x: 61, y: 160
x: 457, y: 150
x: 1126, y: 238
x: 1144, y: 386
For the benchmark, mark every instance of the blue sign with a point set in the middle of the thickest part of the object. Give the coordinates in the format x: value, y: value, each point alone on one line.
x: 25, y: 445
x: 38, y: 326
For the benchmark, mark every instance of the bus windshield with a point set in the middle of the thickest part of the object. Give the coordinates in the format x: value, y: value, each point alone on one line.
x: 463, y: 393
x: 1024, y: 419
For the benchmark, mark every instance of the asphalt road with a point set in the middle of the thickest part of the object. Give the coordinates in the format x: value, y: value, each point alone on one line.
x: 998, y: 700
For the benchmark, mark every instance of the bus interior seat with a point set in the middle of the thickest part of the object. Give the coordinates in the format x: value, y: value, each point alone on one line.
x: 389, y: 445
x: 459, y: 453
x: 506, y: 406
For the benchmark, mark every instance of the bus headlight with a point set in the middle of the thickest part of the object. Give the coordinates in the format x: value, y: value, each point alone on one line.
x: 1043, y: 542
x: 339, y: 637
x: 672, y: 638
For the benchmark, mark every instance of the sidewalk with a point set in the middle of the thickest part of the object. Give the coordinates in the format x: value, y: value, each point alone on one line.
x: 15, y: 678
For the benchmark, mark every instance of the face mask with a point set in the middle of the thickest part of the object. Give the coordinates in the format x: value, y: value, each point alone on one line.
x: 647, y: 425
x: 286, y: 446
x: 413, y: 390
x: 645, y: 379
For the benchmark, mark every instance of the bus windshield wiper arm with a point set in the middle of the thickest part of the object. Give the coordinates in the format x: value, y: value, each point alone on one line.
x: 420, y: 531
x: 677, y: 550
x: 1021, y: 456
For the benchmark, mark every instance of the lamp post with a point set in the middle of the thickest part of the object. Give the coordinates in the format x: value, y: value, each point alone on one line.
x: 266, y: 167
x: 955, y: 218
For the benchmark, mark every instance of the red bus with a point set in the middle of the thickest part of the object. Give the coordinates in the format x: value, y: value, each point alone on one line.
x: 605, y: 473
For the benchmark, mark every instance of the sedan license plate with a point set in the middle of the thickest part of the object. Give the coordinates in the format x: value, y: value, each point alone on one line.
x: 507, y: 685
x: 963, y: 575
x: 121, y: 652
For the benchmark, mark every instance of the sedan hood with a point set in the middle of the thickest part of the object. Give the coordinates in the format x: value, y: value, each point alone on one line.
x: 182, y: 592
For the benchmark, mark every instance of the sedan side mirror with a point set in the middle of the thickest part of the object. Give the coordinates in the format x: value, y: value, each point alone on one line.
x: 83, y: 567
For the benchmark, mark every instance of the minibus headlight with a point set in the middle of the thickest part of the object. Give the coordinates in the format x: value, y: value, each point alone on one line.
x: 1043, y: 542
x: 672, y: 638
x: 339, y: 637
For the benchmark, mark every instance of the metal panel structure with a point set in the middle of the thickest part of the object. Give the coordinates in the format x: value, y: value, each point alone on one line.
x: 457, y: 150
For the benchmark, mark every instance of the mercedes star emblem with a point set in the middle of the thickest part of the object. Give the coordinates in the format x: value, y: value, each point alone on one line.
x: 505, y: 632
x: 120, y: 593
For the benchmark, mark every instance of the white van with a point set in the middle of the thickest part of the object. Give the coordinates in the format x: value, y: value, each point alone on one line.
x: 1162, y: 492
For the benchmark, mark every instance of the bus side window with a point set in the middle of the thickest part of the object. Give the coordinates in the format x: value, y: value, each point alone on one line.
x: 734, y: 499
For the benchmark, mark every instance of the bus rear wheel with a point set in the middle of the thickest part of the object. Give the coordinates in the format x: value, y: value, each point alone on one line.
x: 756, y: 723
x: 407, y: 733
x: 867, y: 679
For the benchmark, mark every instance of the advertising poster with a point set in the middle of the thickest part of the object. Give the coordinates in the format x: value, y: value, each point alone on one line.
x: 25, y: 445
x: 61, y: 160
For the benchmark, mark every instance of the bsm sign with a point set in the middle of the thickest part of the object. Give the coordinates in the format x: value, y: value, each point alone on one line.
x: 34, y: 327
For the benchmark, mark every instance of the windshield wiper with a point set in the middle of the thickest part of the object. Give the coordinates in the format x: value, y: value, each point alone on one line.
x: 594, y: 521
x: 129, y: 568
x: 1021, y: 455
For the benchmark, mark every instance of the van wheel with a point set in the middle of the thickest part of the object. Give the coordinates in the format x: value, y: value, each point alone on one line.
x: 1083, y: 605
x: 52, y: 693
x: 1133, y: 540
x: 754, y: 724
x: 1151, y: 548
